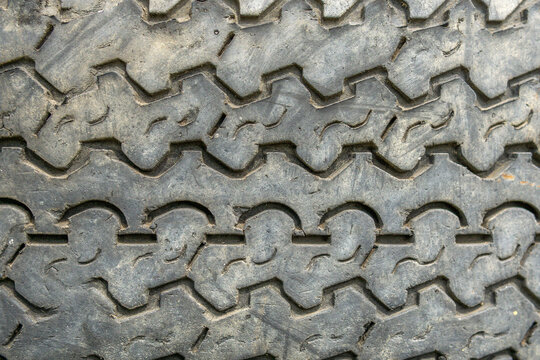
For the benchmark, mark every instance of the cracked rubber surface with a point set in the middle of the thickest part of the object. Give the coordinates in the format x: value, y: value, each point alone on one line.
x: 270, y: 179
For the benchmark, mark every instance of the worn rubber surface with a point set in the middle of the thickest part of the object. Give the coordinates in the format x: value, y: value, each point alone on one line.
x: 259, y: 179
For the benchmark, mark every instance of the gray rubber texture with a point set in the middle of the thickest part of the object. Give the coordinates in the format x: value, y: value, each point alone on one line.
x: 270, y: 179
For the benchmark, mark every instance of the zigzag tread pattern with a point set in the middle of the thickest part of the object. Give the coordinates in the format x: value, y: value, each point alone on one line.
x: 57, y: 107
x: 302, y: 250
x: 270, y: 179
x: 372, y: 118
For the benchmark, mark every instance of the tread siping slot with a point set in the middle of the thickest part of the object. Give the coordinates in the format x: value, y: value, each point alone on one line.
x: 225, y: 239
x: 311, y: 239
x: 137, y: 239
x: 48, y: 239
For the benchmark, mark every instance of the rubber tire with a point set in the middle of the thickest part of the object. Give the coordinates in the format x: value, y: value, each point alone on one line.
x: 269, y: 179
